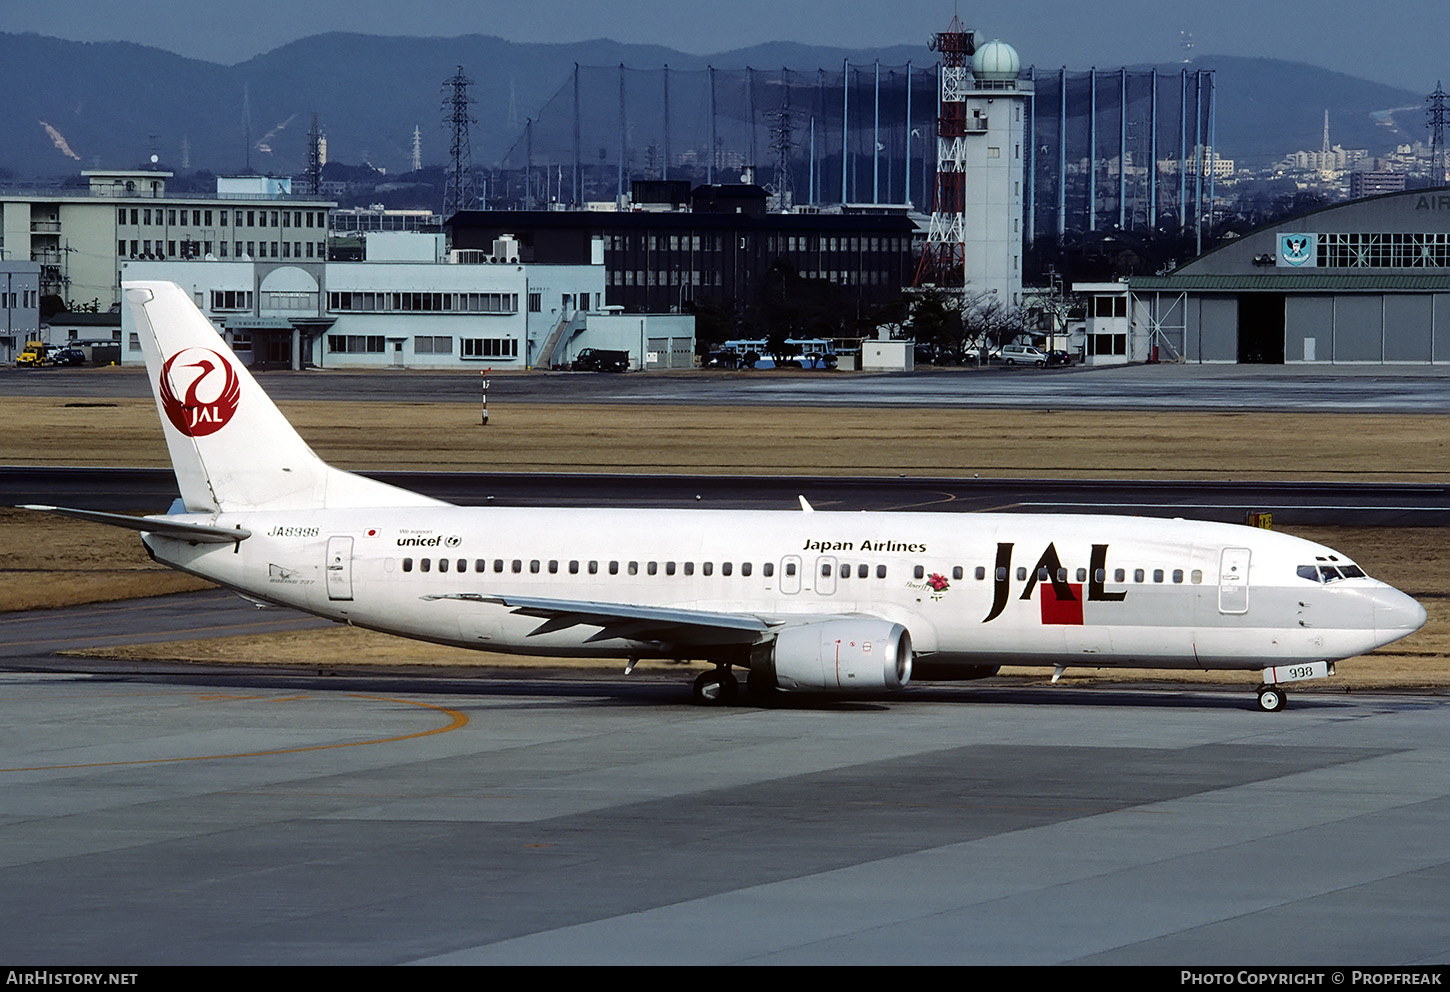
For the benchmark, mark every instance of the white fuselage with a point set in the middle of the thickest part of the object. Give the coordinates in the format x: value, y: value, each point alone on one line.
x: 972, y: 589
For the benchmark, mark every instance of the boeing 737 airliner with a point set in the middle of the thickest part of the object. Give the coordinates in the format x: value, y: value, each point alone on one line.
x: 804, y: 601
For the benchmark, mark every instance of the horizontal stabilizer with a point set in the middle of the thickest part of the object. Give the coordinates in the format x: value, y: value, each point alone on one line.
x: 166, y: 526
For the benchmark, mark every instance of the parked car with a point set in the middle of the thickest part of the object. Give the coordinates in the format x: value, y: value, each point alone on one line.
x: 1058, y: 358
x: 68, y: 356
x: 1022, y: 354
x: 601, y: 360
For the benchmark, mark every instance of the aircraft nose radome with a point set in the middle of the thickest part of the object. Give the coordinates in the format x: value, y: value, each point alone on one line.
x: 1396, y: 614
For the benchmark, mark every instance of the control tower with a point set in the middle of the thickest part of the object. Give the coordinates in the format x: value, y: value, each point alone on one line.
x: 974, y: 241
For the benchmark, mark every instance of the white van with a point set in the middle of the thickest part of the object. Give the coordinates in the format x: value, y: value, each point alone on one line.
x: 1025, y: 354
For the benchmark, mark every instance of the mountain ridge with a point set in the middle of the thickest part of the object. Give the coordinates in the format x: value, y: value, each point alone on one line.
x: 115, y: 103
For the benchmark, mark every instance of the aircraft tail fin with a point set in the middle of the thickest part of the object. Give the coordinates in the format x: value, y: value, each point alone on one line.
x: 230, y: 446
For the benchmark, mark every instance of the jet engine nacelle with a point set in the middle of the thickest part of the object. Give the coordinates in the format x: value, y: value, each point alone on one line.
x: 842, y: 656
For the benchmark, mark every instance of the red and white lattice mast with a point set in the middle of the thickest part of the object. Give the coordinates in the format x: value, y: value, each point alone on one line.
x: 944, y: 259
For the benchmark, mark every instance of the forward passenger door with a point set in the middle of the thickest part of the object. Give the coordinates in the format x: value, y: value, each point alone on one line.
x: 1233, y: 581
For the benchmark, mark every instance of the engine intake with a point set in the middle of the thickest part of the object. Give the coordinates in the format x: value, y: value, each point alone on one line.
x: 851, y: 656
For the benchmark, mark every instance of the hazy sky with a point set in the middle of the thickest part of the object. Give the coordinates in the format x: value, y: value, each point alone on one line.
x: 1392, y: 41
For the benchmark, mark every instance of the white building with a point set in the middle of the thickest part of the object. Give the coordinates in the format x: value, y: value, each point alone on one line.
x: 80, y: 237
x: 400, y: 308
x: 1110, y: 335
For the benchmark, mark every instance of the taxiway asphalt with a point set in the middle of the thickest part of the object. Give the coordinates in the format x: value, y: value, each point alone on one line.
x: 228, y: 818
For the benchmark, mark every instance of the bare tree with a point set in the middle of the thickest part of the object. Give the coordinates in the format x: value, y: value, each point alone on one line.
x: 988, y: 323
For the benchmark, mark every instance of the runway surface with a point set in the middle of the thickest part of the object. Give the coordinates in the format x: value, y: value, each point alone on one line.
x: 225, y: 818
x: 1341, y: 388
x: 1352, y: 504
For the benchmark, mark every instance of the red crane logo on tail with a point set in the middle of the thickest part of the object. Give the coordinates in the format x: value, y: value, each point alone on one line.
x: 210, y: 399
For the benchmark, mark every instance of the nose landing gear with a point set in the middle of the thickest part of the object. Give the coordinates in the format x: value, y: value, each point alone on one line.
x: 1272, y: 698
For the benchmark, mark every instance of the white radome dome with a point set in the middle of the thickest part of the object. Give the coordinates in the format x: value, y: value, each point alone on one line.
x: 996, y: 60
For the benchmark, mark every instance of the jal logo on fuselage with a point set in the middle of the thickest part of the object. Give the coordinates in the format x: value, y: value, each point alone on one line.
x: 1061, y: 600
x: 208, y: 389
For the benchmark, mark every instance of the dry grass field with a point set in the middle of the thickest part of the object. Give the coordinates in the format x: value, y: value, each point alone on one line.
x: 781, y: 440
x: 48, y: 561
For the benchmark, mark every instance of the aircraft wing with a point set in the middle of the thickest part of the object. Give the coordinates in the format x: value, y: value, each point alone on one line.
x: 639, y: 623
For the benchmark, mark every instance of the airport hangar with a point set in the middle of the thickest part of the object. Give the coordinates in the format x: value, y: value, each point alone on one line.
x: 1363, y: 282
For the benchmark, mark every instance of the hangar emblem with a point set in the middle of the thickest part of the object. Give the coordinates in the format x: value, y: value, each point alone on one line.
x: 1297, y: 250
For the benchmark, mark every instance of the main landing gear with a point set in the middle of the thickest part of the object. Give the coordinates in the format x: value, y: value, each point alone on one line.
x: 720, y: 687
x: 717, y: 687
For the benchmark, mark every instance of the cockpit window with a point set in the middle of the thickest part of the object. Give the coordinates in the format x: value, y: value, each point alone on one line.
x: 1329, y: 573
